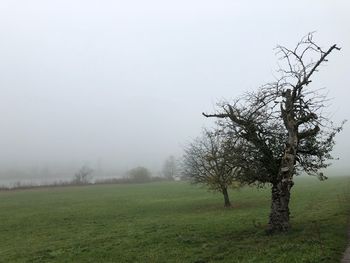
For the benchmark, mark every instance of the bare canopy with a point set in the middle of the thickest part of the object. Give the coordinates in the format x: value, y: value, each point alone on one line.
x: 281, y: 128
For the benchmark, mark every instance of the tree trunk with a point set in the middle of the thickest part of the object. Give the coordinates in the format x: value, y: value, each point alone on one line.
x: 226, y: 197
x: 279, y: 215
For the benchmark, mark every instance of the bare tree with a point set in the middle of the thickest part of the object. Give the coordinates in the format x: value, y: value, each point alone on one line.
x: 209, y: 161
x: 282, y: 129
x: 170, y: 168
x: 83, y: 176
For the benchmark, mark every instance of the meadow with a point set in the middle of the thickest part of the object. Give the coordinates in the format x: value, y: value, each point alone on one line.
x: 171, y: 222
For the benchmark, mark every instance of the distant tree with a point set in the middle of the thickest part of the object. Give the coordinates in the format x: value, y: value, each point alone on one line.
x: 281, y: 130
x: 83, y: 176
x: 139, y: 175
x: 209, y: 160
x: 170, y: 168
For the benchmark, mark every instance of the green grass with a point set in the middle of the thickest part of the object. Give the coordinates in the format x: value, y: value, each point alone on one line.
x: 170, y: 222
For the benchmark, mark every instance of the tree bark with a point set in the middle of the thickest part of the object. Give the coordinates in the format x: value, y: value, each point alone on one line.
x: 279, y: 215
x: 226, y: 197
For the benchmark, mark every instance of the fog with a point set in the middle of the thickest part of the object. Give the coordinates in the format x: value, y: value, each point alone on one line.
x: 117, y: 84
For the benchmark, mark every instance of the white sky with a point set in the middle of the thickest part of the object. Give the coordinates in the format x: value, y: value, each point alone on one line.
x: 125, y: 82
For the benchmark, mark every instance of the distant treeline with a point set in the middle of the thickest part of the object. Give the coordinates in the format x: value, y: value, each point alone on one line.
x: 127, y: 180
x: 83, y: 177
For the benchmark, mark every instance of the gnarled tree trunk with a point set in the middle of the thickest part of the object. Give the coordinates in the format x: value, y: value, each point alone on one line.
x: 279, y: 215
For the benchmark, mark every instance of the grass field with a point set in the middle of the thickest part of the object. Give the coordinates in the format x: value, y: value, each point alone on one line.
x: 170, y: 222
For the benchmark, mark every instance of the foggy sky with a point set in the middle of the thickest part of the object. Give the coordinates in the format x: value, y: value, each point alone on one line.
x: 123, y: 83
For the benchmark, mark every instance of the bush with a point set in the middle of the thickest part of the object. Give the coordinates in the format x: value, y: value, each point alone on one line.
x: 139, y: 175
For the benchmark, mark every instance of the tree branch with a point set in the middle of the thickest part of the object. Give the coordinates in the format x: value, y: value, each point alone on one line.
x: 309, y: 133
